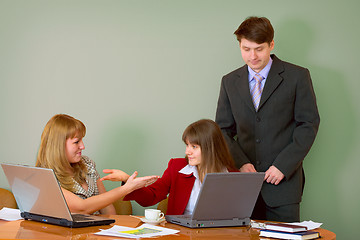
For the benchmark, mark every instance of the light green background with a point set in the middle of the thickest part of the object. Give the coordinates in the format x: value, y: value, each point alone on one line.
x: 138, y: 72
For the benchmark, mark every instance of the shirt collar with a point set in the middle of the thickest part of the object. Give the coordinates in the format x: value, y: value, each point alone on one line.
x: 264, y: 72
x: 188, y: 169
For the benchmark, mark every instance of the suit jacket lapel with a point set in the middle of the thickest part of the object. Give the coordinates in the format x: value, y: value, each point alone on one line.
x: 273, y: 80
x: 184, y: 187
x: 242, y: 86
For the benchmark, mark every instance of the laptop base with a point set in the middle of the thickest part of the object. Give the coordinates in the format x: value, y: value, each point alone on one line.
x: 191, y: 223
x: 66, y: 223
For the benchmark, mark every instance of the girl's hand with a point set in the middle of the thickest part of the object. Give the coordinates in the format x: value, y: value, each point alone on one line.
x: 115, y: 175
x: 134, y: 182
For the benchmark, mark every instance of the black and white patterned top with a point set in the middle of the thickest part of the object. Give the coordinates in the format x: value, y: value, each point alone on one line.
x: 91, y: 177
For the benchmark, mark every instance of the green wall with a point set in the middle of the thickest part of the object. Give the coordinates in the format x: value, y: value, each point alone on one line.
x: 138, y: 72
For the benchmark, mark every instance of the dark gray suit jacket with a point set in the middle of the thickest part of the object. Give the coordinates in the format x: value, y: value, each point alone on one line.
x: 281, y: 133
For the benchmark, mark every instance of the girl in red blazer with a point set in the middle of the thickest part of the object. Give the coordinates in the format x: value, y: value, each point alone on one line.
x: 206, y: 152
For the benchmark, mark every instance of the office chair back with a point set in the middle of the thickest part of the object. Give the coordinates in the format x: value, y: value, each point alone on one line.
x: 123, y: 207
x: 7, y: 199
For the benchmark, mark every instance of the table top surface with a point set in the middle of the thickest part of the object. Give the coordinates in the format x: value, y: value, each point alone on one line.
x: 25, y: 229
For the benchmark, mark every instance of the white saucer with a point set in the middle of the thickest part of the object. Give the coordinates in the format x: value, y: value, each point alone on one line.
x: 145, y: 220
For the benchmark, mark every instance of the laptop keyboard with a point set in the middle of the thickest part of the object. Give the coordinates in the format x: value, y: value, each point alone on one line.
x: 80, y: 217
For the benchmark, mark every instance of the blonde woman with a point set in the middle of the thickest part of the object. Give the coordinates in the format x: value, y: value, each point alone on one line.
x: 61, y: 150
x: 206, y: 152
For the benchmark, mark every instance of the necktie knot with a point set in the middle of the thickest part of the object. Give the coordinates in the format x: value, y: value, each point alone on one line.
x: 258, y: 78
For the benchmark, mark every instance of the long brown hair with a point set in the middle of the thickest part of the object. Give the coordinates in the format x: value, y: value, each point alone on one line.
x: 52, y: 150
x: 215, y: 155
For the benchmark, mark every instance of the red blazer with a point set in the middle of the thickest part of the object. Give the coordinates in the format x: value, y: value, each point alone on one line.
x: 177, y: 185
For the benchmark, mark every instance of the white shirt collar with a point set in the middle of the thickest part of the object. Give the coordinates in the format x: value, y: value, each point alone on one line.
x: 188, y: 169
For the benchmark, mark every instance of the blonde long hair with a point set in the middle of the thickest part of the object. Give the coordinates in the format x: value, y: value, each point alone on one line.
x: 215, y: 154
x: 52, y: 150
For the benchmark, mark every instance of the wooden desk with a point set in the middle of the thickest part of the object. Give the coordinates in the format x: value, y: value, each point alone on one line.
x: 23, y: 229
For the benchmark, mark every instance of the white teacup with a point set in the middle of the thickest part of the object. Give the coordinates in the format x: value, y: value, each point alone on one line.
x: 153, y: 214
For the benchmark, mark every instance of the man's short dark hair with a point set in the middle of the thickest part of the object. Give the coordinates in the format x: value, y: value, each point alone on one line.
x: 255, y: 29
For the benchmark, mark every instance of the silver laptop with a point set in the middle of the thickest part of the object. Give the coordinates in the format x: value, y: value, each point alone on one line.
x: 40, y: 198
x: 225, y: 199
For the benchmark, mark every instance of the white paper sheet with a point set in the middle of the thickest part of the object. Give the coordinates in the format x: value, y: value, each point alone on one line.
x: 10, y: 214
x: 309, y: 224
x: 144, y: 231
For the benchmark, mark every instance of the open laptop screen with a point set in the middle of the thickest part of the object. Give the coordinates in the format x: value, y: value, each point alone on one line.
x: 40, y: 198
x: 36, y: 190
x: 225, y: 199
x: 228, y: 195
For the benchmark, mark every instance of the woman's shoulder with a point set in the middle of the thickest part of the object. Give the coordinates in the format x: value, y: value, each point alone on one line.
x: 177, y: 163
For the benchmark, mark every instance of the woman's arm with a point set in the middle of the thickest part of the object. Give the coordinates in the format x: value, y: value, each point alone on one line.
x: 159, y: 190
x: 110, y: 209
x: 95, y: 203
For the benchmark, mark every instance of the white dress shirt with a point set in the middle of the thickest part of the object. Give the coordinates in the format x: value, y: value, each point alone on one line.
x: 188, y: 169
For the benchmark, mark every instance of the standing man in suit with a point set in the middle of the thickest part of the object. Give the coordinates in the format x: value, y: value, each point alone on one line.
x: 268, y: 114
